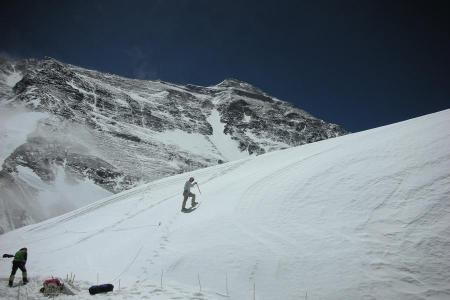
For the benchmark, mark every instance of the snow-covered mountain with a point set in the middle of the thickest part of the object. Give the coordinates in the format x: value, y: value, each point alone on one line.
x: 68, y: 128
x: 364, y: 216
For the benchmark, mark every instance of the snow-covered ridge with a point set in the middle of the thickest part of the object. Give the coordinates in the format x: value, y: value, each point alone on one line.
x: 117, y: 132
x: 364, y: 216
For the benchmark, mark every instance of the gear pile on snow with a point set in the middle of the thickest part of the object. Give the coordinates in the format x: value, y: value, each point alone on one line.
x: 52, y: 287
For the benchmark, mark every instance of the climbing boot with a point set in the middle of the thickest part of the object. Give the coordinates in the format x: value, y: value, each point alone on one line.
x: 11, y: 281
x: 24, y: 278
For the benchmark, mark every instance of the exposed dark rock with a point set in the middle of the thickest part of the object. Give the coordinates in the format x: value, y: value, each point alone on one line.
x: 113, y: 130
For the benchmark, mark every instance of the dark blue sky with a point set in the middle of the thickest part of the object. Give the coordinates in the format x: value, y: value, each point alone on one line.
x: 360, y: 64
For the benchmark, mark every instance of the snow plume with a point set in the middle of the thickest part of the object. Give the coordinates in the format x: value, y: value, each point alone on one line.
x: 364, y: 216
x: 31, y: 194
x: 64, y: 194
x: 141, y: 65
x: 15, y: 126
x: 8, y: 56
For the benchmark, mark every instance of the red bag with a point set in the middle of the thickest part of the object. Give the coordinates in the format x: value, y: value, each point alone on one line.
x: 52, y: 286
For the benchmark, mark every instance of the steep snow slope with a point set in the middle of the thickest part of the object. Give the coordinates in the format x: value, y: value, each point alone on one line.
x: 364, y: 216
x: 117, y: 132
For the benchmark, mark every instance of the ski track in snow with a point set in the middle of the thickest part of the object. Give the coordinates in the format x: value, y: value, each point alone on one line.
x: 364, y: 216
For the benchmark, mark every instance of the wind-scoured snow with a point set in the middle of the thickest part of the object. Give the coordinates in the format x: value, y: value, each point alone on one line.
x: 364, y: 216
x: 193, y: 142
x: 228, y: 148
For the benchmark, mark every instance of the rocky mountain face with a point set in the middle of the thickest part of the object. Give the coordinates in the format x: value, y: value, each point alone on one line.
x: 70, y: 135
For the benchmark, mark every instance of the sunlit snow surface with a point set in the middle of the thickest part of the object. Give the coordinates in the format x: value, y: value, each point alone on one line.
x: 227, y: 147
x: 364, y: 216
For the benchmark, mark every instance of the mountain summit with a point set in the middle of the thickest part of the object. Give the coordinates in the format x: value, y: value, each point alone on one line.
x: 66, y: 127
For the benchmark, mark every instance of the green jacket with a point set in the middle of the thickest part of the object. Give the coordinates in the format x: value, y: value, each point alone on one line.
x: 21, y: 255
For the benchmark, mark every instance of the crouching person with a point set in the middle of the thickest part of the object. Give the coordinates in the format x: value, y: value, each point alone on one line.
x: 20, y: 259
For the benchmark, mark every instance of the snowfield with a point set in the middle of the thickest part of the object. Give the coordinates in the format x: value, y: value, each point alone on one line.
x: 117, y: 133
x: 364, y: 216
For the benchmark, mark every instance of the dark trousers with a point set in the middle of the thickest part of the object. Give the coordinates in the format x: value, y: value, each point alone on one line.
x: 18, y: 265
x: 186, y: 195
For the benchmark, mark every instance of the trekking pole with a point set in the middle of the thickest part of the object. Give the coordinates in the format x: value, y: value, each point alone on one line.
x: 198, y: 188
